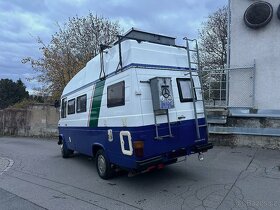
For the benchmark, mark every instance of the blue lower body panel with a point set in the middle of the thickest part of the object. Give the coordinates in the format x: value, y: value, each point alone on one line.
x: 166, y: 150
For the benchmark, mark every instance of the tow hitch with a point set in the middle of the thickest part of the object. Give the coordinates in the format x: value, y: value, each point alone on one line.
x: 200, y: 156
x: 202, y: 148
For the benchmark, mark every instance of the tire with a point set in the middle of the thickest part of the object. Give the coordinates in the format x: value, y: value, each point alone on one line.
x: 65, y: 152
x: 103, y: 165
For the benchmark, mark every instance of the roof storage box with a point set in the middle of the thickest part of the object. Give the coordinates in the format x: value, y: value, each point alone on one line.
x: 149, y: 37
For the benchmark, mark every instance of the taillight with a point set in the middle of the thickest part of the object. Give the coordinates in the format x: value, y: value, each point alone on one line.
x: 138, y: 148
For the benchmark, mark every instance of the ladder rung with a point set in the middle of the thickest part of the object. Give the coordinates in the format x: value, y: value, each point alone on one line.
x: 200, y: 126
x: 196, y: 87
x: 199, y: 100
x: 192, y: 50
x: 166, y: 136
x: 200, y: 112
x: 198, y: 140
x: 194, y: 62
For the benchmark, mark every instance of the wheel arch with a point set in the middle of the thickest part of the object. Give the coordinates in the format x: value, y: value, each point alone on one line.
x: 60, y: 139
x: 95, y: 148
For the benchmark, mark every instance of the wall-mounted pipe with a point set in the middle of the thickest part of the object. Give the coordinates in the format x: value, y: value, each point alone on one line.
x: 278, y: 12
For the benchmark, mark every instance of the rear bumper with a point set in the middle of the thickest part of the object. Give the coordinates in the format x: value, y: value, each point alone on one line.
x: 171, y: 157
x: 155, y: 161
x: 202, y: 148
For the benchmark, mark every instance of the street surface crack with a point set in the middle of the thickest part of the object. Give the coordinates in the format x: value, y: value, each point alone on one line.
x: 78, y: 188
x: 5, y: 164
x: 237, y: 178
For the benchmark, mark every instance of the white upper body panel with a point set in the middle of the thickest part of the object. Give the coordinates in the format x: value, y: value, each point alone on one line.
x: 138, y: 107
x: 132, y: 52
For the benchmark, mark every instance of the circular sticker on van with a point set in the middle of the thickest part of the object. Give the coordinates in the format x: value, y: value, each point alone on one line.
x: 165, y: 92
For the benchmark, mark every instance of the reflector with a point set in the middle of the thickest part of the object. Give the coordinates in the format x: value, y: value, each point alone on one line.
x: 138, y: 148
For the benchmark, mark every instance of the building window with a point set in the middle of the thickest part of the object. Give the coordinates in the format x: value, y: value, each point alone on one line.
x: 82, y: 104
x: 185, y: 90
x: 63, y: 108
x: 116, y: 95
x: 71, y: 106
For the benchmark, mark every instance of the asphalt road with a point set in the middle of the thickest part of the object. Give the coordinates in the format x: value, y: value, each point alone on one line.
x: 34, y: 176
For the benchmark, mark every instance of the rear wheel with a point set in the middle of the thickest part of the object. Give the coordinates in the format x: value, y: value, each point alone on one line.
x: 103, y: 165
x: 65, y: 152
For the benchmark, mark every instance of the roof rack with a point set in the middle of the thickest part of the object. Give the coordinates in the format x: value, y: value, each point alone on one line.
x: 139, y: 35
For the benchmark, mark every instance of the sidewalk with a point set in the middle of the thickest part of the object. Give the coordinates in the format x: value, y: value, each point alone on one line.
x: 9, y: 201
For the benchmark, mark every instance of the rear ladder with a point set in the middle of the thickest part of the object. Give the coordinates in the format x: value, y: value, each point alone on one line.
x: 193, y: 59
x: 164, y: 112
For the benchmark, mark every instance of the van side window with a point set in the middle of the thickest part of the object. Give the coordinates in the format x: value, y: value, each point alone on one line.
x: 184, y: 87
x: 71, y: 106
x: 82, y: 104
x: 63, y: 108
x: 116, y: 94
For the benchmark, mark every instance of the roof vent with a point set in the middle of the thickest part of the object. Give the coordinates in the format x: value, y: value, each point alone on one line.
x: 258, y: 14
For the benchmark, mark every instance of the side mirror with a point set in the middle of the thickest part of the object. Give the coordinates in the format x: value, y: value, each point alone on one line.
x: 57, y: 103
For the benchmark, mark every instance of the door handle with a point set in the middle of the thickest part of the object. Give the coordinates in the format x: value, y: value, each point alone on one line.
x: 181, y: 117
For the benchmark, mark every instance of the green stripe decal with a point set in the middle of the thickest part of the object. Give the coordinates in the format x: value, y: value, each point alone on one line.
x: 96, y: 103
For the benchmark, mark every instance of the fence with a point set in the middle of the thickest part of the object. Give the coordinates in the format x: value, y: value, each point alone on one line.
x: 231, y: 87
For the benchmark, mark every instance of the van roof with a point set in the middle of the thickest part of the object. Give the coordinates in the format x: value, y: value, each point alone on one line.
x: 133, y: 52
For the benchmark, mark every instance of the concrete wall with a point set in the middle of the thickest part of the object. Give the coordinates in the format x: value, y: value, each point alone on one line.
x: 261, y: 45
x: 247, y: 131
x: 37, y: 120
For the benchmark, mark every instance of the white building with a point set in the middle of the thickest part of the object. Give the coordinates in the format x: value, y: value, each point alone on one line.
x: 257, y: 42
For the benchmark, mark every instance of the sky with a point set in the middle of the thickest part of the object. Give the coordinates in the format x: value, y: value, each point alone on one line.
x: 22, y: 21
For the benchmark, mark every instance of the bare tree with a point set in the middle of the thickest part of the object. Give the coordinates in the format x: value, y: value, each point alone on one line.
x: 213, y: 54
x: 213, y: 40
x: 77, y: 42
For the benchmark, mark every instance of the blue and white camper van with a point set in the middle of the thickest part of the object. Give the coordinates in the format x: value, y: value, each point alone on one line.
x: 137, y: 105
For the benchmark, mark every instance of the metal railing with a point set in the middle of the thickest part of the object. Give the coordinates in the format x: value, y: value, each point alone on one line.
x: 230, y: 87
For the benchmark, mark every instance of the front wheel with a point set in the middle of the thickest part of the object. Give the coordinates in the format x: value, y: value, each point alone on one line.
x: 103, y: 165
